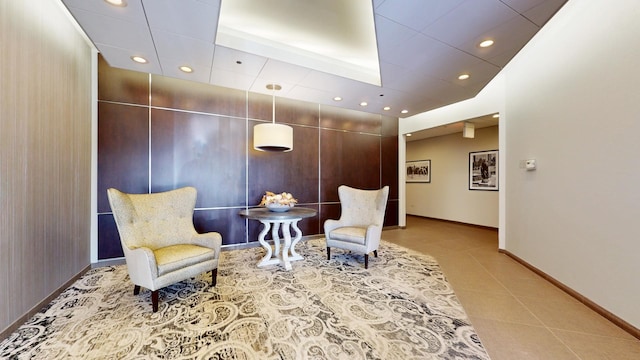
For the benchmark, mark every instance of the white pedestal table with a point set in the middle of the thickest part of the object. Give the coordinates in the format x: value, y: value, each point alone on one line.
x: 274, y: 220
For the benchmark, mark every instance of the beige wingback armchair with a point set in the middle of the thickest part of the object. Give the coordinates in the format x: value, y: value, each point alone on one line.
x: 360, y: 225
x: 160, y: 243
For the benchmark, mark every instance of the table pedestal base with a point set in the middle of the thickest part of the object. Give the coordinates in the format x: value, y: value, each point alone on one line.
x: 288, y: 253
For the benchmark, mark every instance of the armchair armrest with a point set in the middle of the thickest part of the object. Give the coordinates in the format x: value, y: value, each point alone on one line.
x: 142, y: 266
x: 373, y: 233
x: 372, y: 237
x: 330, y: 225
x: 211, y: 240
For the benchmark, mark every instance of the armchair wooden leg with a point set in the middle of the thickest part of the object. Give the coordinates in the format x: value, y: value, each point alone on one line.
x: 136, y: 290
x: 328, y: 253
x: 154, y: 300
x: 366, y: 261
x: 214, y: 276
x: 375, y: 253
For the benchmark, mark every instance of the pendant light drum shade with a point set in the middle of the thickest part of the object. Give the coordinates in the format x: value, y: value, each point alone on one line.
x: 273, y: 137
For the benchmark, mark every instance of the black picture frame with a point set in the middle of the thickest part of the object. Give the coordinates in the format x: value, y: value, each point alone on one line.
x: 483, y: 170
x: 418, y: 171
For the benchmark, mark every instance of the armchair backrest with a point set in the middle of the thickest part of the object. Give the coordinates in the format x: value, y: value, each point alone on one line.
x: 154, y: 220
x: 362, y: 207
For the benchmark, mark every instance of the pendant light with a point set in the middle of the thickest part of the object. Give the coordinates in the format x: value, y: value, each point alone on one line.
x: 271, y: 136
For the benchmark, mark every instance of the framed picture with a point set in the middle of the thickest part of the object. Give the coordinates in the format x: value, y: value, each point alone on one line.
x: 419, y: 171
x: 483, y: 170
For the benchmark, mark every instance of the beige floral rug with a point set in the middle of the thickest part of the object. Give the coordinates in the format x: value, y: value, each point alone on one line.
x: 402, y: 307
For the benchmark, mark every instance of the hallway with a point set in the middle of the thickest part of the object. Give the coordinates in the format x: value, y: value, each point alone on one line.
x: 516, y: 313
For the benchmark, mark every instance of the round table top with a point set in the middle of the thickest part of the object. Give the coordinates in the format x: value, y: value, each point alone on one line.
x: 266, y: 214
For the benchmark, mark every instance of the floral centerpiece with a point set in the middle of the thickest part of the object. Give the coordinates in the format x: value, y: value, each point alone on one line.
x: 278, y: 202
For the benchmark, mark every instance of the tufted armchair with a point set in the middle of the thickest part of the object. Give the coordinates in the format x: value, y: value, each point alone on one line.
x: 360, y: 225
x: 160, y: 243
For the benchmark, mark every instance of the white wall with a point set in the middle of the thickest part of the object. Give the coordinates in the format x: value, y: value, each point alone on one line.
x: 573, y: 103
x: 571, y: 100
x: 448, y: 196
x: 490, y: 100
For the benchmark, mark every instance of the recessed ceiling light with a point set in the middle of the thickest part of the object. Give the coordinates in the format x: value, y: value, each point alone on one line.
x: 386, y: 108
x: 409, y: 134
x: 463, y: 77
x: 364, y: 103
x: 274, y: 87
x: 486, y: 43
x: 404, y: 111
x: 495, y: 116
x: 186, y: 69
x: 337, y: 98
x: 139, y: 59
x: 121, y: 3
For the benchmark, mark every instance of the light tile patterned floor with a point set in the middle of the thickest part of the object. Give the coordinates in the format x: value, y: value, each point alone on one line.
x: 517, y: 314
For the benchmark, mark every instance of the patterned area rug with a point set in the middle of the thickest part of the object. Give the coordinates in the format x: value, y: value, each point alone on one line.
x: 402, y: 307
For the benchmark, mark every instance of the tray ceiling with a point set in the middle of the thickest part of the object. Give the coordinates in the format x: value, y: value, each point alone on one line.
x: 422, y: 46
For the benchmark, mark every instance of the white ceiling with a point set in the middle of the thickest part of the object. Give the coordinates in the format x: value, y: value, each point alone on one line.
x: 332, y: 36
x: 452, y: 128
x: 423, y: 45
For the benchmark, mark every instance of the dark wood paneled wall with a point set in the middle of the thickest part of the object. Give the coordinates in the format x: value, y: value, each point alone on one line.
x: 157, y: 133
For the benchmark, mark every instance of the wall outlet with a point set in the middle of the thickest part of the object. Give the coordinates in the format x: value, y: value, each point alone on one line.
x: 530, y: 164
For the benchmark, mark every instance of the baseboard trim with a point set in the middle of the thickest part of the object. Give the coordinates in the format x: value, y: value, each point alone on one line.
x: 109, y: 262
x: 456, y: 222
x: 34, y: 310
x: 253, y: 244
x: 634, y: 331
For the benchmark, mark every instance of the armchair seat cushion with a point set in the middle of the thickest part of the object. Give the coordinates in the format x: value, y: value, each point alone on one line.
x: 175, y: 257
x: 352, y: 234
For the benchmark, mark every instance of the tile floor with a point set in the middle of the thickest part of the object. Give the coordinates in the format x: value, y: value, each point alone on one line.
x: 517, y: 314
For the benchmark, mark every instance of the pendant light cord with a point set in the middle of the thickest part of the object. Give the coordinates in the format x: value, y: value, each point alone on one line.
x: 273, y: 103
